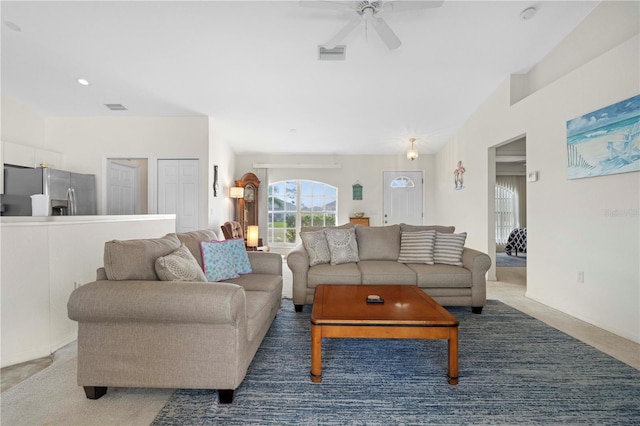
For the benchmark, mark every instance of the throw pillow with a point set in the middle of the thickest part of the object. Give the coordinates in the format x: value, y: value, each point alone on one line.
x: 180, y: 265
x: 135, y: 259
x: 317, y: 248
x: 342, y: 245
x: 238, y: 255
x: 417, y: 247
x: 217, y: 261
x: 378, y: 242
x: 448, y: 248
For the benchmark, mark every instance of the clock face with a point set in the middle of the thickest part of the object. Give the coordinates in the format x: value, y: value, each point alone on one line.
x: 249, y: 194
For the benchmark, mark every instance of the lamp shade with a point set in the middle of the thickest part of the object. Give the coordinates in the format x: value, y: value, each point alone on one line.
x: 236, y: 192
x: 252, y: 236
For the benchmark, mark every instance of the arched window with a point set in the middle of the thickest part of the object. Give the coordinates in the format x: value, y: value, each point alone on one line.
x: 293, y: 204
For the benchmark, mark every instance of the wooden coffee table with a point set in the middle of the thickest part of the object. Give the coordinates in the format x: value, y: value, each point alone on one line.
x: 341, y: 311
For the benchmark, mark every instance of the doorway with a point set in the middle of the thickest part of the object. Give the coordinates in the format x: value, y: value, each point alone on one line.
x: 508, y: 208
x: 402, y: 197
x: 127, y: 188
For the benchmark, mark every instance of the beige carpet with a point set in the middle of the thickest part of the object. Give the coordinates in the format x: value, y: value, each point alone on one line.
x: 52, y: 397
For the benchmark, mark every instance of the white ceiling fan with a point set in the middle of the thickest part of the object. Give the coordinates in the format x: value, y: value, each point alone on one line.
x: 370, y: 12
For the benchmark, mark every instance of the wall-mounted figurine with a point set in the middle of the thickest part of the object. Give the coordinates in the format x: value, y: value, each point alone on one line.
x: 458, y: 175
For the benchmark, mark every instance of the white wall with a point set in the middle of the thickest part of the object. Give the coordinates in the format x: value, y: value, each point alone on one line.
x: 220, y: 207
x: 590, y: 225
x: 86, y: 143
x: 365, y: 169
x: 22, y: 125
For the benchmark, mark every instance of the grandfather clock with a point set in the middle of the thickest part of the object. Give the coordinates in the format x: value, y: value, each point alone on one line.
x: 248, y: 206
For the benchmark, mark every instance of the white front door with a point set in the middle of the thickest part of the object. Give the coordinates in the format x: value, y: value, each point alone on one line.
x: 402, y: 194
x: 122, y: 191
x: 178, y: 189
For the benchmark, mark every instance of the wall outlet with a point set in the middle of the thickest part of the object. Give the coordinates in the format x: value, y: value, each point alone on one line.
x: 580, y: 276
x: 77, y: 284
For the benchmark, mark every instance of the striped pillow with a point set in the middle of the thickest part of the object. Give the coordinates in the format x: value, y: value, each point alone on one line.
x: 448, y: 248
x: 417, y: 247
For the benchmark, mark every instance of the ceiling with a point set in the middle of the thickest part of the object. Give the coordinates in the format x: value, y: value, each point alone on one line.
x: 253, y: 67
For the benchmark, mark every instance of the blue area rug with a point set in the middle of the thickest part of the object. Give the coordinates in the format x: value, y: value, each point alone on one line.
x: 514, y: 369
x: 503, y: 259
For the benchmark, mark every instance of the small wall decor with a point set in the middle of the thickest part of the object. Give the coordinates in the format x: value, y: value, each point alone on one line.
x: 605, y: 142
x: 458, y: 176
x: 357, y: 191
x: 216, y: 187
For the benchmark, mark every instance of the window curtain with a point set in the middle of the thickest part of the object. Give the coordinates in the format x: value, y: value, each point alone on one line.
x: 518, y: 185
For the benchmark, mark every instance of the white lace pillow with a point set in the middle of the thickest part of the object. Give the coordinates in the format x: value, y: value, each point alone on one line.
x: 180, y: 265
x: 343, y: 245
x: 317, y: 248
x: 448, y: 249
x: 417, y: 247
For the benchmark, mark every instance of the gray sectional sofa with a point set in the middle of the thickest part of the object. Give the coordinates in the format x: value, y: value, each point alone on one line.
x: 384, y: 257
x: 137, y: 331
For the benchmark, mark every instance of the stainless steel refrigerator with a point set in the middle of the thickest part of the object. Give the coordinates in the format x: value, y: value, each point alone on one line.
x: 69, y: 193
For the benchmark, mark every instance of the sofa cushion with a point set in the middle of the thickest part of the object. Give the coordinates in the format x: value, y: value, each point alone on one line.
x: 193, y: 239
x: 259, y: 305
x: 315, y: 242
x: 417, y: 247
x: 441, y: 276
x: 347, y: 273
x: 386, y: 272
x: 136, y: 259
x: 217, y: 261
x: 179, y: 265
x: 320, y: 228
x: 378, y: 242
x: 259, y: 282
x: 412, y: 228
x: 343, y: 245
x: 448, y: 248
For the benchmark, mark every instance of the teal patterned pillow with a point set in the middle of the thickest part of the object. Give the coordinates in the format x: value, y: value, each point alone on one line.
x: 217, y: 262
x: 238, y: 255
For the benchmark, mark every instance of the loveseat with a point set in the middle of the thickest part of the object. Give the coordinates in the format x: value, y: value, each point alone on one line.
x: 431, y: 257
x: 135, y: 330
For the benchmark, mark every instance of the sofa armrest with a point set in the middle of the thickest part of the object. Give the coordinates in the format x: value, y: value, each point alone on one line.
x: 298, y: 262
x: 478, y: 263
x: 265, y: 263
x: 157, y: 301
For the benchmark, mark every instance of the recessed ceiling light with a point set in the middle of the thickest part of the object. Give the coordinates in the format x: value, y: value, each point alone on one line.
x: 83, y: 82
x: 528, y: 13
x: 12, y: 26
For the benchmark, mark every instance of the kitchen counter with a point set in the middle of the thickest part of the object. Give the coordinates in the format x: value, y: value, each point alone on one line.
x: 43, y: 259
x: 54, y: 220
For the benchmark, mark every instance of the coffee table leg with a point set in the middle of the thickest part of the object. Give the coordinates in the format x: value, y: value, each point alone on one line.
x: 453, y: 356
x: 316, y: 353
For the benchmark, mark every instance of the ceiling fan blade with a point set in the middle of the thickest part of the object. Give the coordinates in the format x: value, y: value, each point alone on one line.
x: 345, y: 31
x: 333, y: 5
x: 386, y: 33
x: 400, y: 5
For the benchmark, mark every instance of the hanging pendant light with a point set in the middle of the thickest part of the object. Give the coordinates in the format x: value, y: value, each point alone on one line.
x: 412, y: 153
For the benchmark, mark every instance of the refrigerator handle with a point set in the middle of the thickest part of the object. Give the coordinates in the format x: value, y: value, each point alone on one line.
x: 71, y: 197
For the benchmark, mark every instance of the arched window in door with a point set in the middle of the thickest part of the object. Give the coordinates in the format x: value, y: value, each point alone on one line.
x: 293, y: 204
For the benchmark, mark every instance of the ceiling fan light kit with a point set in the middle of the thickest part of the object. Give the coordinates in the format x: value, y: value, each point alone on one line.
x: 370, y: 12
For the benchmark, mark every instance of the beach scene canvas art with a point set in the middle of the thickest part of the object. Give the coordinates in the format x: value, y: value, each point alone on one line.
x: 605, y: 142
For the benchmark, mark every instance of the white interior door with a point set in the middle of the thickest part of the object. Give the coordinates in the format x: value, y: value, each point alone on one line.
x: 178, y: 189
x: 122, y: 191
x: 402, y: 193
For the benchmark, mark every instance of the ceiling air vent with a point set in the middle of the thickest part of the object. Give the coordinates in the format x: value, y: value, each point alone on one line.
x: 338, y: 53
x: 116, y: 107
